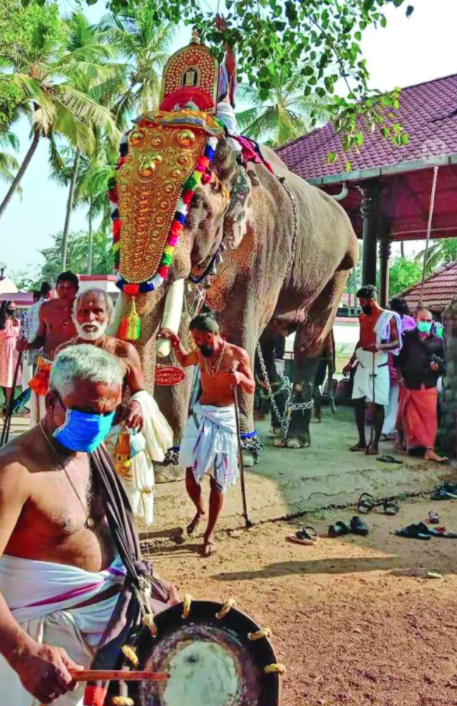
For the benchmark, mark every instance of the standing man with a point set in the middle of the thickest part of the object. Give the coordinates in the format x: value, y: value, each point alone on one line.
x: 378, y: 335
x: 55, y: 327
x: 151, y: 436
x: 421, y: 362
x: 30, y: 326
x: 210, y: 441
x: 68, y: 541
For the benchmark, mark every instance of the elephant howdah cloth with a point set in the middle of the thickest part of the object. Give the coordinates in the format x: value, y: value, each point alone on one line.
x: 418, y: 416
x: 43, y: 597
x: 371, y: 379
x: 147, y: 447
x: 210, y: 444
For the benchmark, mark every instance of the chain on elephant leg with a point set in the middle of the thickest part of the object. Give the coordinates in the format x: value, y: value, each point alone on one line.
x: 251, y: 443
x: 296, y: 420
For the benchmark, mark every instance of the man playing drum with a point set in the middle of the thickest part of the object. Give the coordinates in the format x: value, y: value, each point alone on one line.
x: 61, y: 574
x: 210, y: 439
x: 378, y: 334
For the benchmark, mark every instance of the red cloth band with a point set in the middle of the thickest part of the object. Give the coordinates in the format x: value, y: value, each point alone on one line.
x: 95, y: 695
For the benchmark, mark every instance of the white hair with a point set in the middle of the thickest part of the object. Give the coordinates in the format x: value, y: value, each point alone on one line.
x: 84, y: 362
x: 101, y: 293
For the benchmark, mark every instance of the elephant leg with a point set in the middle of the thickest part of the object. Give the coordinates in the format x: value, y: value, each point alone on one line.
x: 303, y: 388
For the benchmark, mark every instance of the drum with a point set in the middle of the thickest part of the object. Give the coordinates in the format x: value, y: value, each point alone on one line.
x: 215, y: 656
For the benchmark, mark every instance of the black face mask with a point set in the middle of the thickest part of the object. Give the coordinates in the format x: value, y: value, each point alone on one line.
x: 11, y: 312
x: 206, y: 350
x: 367, y: 309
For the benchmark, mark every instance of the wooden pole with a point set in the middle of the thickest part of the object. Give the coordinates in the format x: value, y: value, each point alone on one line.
x: 429, y: 226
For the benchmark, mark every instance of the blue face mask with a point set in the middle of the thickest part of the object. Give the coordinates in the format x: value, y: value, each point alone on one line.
x: 84, y: 431
x: 424, y: 326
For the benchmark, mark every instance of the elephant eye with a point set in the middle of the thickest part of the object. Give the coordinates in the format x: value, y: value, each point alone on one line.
x: 198, y: 201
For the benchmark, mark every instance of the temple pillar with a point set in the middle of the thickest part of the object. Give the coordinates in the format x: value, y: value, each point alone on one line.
x: 371, y: 210
x: 384, y: 260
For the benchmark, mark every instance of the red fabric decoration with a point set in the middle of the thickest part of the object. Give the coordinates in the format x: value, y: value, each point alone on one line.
x: 94, y: 695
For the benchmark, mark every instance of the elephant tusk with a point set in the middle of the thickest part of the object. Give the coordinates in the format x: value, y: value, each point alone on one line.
x: 113, y: 328
x: 174, y: 301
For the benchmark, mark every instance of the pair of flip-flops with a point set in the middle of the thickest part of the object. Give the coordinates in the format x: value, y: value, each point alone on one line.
x: 387, y: 458
x: 306, y: 535
x: 356, y: 526
x: 421, y: 531
x: 366, y: 503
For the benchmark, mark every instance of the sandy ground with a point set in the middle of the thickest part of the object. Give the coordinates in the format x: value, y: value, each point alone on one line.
x: 355, y: 620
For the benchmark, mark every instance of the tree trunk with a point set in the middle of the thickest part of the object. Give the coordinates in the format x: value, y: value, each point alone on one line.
x: 91, y: 240
x: 21, y: 172
x: 70, y: 201
x: 402, y: 248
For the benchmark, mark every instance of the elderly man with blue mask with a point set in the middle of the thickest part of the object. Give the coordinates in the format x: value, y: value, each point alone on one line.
x: 70, y: 557
x: 421, y: 363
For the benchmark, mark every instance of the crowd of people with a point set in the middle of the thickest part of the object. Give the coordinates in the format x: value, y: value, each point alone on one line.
x: 397, y: 367
x: 70, y: 487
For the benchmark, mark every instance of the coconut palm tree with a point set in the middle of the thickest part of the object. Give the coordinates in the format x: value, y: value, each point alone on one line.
x: 51, y: 80
x: 439, y: 252
x: 145, y: 48
x: 8, y: 163
x: 286, y: 114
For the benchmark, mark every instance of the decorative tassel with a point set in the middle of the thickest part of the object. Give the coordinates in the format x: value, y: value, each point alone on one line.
x: 130, y: 328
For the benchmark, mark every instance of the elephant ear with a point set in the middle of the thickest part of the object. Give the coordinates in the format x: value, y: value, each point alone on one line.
x: 239, y: 216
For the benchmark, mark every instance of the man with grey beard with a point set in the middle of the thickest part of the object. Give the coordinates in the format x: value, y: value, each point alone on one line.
x: 150, y: 435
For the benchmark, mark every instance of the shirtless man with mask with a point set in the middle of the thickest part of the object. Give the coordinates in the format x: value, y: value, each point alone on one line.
x: 60, y: 574
x: 209, y: 445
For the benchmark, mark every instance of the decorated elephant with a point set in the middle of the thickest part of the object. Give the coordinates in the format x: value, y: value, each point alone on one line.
x: 190, y: 199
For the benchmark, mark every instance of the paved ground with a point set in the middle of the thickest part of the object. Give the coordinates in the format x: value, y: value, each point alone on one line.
x: 288, y: 481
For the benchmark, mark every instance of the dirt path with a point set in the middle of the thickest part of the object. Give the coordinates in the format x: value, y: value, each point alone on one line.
x: 355, y: 620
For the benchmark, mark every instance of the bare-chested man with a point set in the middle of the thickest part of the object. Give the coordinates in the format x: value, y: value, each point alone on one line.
x: 60, y: 574
x: 55, y: 327
x: 93, y: 313
x: 378, y: 334
x: 210, y: 440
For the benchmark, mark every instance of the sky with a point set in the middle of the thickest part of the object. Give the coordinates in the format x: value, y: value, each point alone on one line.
x: 409, y: 51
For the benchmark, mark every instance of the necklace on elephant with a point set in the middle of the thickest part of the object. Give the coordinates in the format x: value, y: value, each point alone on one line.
x: 216, y: 364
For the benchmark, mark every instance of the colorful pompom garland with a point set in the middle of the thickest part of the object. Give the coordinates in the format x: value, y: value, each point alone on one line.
x: 182, y: 210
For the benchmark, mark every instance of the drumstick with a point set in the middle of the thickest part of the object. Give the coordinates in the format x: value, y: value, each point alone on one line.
x: 117, y: 675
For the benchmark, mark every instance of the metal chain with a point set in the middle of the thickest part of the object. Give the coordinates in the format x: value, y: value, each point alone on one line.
x: 289, y: 407
x: 295, y: 231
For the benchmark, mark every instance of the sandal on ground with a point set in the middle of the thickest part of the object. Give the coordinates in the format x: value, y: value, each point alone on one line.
x: 305, y: 535
x: 387, y: 458
x: 339, y: 529
x: 358, y: 526
x: 366, y: 503
x: 288, y: 444
x: 433, y: 518
x: 416, y: 531
x: 445, y: 491
x: 391, y: 506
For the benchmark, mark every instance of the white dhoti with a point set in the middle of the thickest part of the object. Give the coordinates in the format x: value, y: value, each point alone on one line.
x: 41, y: 596
x: 372, y: 379
x: 391, y: 411
x: 155, y: 440
x: 210, y: 444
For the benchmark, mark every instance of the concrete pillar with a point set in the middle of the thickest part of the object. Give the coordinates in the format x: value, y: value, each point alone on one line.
x: 384, y: 262
x: 371, y: 210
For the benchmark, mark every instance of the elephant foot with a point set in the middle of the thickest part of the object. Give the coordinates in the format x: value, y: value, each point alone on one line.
x: 289, y: 444
x: 248, y: 459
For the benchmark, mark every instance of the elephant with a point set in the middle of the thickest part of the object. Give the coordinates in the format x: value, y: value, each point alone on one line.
x: 289, y: 250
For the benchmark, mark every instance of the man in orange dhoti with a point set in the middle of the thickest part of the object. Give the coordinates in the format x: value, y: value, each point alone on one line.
x: 421, y: 362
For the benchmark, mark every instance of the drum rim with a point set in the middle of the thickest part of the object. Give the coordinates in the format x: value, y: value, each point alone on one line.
x: 271, y: 690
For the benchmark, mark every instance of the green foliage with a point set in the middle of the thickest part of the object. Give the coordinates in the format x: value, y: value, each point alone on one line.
x: 287, y: 113
x: 404, y: 273
x: 440, y: 252
x: 77, y: 257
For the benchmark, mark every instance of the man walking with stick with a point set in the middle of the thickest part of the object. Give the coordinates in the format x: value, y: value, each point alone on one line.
x: 210, y: 444
x: 379, y: 333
